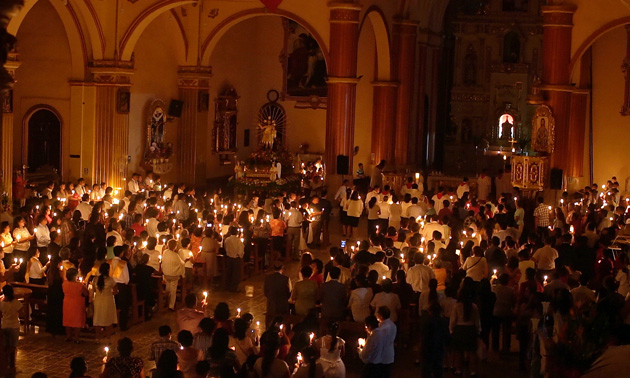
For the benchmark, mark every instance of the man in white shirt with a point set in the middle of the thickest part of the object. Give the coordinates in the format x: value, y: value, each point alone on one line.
x: 294, y: 223
x: 148, y: 181
x: 47, y: 192
x: 384, y: 214
x: 379, y: 266
x: 415, y: 210
x: 80, y: 189
x: 376, y: 192
x: 341, y: 192
x: 545, y: 257
x: 463, y: 188
x: 484, y: 185
x: 388, y: 299
x: 419, y: 275
x: 234, y: 251
x: 119, y: 271
x: 154, y: 255
x: 173, y: 269
x: 152, y: 222
x: 133, y: 185
x: 438, y: 199
x: 84, y: 207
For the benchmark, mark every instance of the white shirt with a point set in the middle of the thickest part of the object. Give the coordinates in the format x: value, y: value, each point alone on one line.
x: 381, y: 269
x: 294, y: 218
x: 388, y: 333
x: 133, y: 186
x: 395, y: 212
x: 42, y: 234
x: 182, y: 212
x: 418, y: 277
x: 152, y: 227
x: 124, y: 275
x: 545, y: 258
x: 119, y: 239
x: 234, y: 247
x: 80, y: 190
x: 461, y: 189
x: 384, y: 206
x: 391, y: 300
x: 476, y: 267
x: 172, y: 263
x: 415, y: 211
x: 36, y: 270
x: 341, y: 193
x: 184, y: 254
x: 85, y: 209
x: 154, y: 258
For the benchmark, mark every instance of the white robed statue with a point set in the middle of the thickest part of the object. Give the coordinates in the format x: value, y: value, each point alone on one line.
x: 269, y: 133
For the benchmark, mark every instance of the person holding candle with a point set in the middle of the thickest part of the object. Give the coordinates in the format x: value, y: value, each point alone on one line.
x: 240, y: 342
x: 371, y: 349
x: 10, y: 308
x: 188, y: 318
x: 104, y: 304
x: 173, y: 267
x: 209, y: 249
x: 234, y: 251
x: 7, y: 243
x: 74, y: 294
x: 35, y: 272
x: 124, y: 365
x: 23, y: 242
x: 222, y: 359
x: 270, y: 366
x: 54, y: 308
x: 188, y: 355
x: 304, y: 292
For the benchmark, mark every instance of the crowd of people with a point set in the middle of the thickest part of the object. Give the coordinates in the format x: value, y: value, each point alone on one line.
x: 456, y: 273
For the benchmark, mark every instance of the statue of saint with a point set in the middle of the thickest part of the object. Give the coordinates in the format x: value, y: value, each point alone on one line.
x: 541, y: 136
x: 268, y: 128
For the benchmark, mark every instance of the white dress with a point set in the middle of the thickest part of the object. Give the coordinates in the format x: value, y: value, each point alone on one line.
x: 104, y: 304
x: 331, y: 361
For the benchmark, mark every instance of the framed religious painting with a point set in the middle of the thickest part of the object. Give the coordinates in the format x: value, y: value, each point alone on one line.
x: 303, y: 63
x: 157, y: 149
x: 543, y: 130
x: 124, y: 101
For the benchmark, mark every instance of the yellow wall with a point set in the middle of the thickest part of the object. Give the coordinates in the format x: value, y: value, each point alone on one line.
x: 43, y: 75
x: 365, y: 97
x: 158, y: 54
x: 611, y: 155
x: 248, y: 58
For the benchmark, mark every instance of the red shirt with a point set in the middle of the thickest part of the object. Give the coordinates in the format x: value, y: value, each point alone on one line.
x: 137, y: 228
x: 318, y: 278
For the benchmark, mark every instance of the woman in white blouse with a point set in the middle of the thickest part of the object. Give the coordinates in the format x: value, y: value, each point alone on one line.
x: 23, y: 241
x: 360, y: 298
x: 36, y: 272
x: 476, y: 266
x: 42, y: 233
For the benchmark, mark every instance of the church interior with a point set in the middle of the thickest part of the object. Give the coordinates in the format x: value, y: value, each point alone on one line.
x: 424, y: 85
x: 211, y: 93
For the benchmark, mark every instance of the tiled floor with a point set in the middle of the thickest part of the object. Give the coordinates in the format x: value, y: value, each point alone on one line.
x: 40, y: 352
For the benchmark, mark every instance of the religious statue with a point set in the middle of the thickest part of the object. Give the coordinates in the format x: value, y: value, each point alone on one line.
x: 239, y: 170
x: 268, y: 128
x: 8, y: 10
x: 157, y: 125
x: 273, y: 172
x: 541, y: 134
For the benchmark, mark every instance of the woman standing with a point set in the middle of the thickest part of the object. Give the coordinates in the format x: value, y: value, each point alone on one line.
x: 35, y: 272
x: 23, y: 242
x: 311, y: 367
x: 465, y: 326
x: 360, y: 298
x: 104, y: 303
x: 476, y: 266
x: 7, y: 243
x: 354, y: 211
x: 54, y: 308
x: 331, y: 351
x: 74, y: 294
x: 304, y: 292
x: 10, y: 308
x: 240, y: 342
x: 209, y: 249
x: 373, y: 216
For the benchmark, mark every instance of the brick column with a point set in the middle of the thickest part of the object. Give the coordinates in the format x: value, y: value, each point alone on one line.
x: 383, y: 114
x: 6, y: 147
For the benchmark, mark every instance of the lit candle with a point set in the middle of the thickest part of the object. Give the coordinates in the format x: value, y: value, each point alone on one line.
x: 205, y: 296
x: 15, y: 260
x: 361, y: 343
x: 457, y: 252
x: 571, y: 230
x: 49, y: 257
x: 238, y: 312
x: 106, y: 351
x: 310, y: 337
x: 21, y: 261
x: 160, y: 258
x: 299, y: 358
x: 494, y: 274
x: 545, y: 281
x: 190, y: 254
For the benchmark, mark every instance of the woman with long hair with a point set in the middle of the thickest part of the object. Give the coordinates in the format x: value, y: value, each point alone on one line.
x: 104, y: 304
x: 354, y: 211
x: 465, y: 326
x: 222, y: 358
x: 78, y: 368
x: 309, y: 366
x: 209, y: 249
x: 331, y: 351
x: 54, y: 308
x: 240, y: 342
x: 373, y: 211
x: 270, y: 366
x: 166, y: 366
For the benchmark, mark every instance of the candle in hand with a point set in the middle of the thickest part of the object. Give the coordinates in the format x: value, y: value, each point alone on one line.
x: 361, y: 342
x: 310, y: 337
x: 238, y: 310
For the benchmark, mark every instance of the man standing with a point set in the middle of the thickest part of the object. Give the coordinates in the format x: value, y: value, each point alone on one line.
x: 294, y: 224
x: 387, y: 328
x: 372, y: 353
x: 463, y: 188
x: 134, y: 185
x: 316, y: 222
x: 333, y: 297
x: 419, y: 275
x: 277, y: 289
x: 484, y: 185
x: 542, y: 215
x: 234, y: 251
x: 173, y: 269
x: 120, y: 273
x: 545, y: 258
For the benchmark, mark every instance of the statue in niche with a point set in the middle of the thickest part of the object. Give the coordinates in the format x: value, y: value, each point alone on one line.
x: 268, y: 128
x: 506, y: 126
x: 470, y: 67
x: 541, y: 134
x: 157, y: 126
x: 511, y: 48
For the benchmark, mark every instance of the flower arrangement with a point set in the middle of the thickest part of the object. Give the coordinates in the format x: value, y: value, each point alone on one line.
x: 248, y: 184
x: 160, y: 151
x: 266, y: 157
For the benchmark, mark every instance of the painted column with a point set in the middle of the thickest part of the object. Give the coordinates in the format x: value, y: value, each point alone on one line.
x: 383, y: 115
x: 405, y: 43
x: 193, y: 84
x: 6, y: 146
x: 421, y: 85
x: 112, y: 81
x: 557, y: 27
x: 342, y: 82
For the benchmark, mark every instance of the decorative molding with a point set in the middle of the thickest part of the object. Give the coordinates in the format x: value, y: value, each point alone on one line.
x: 517, y: 68
x: 194, y: 77
x: 469, y: 97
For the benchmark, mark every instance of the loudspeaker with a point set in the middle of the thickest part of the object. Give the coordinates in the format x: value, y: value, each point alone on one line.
x: 343, y: 164
x: 555, y: 179
x: 175, y: 108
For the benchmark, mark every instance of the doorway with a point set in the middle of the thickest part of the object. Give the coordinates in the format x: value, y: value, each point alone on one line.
x: 44, y: 140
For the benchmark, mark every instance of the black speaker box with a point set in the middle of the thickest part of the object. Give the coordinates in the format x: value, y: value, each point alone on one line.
x: 175, y: 108
x: 555, y: 179
x: 343, y: 164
